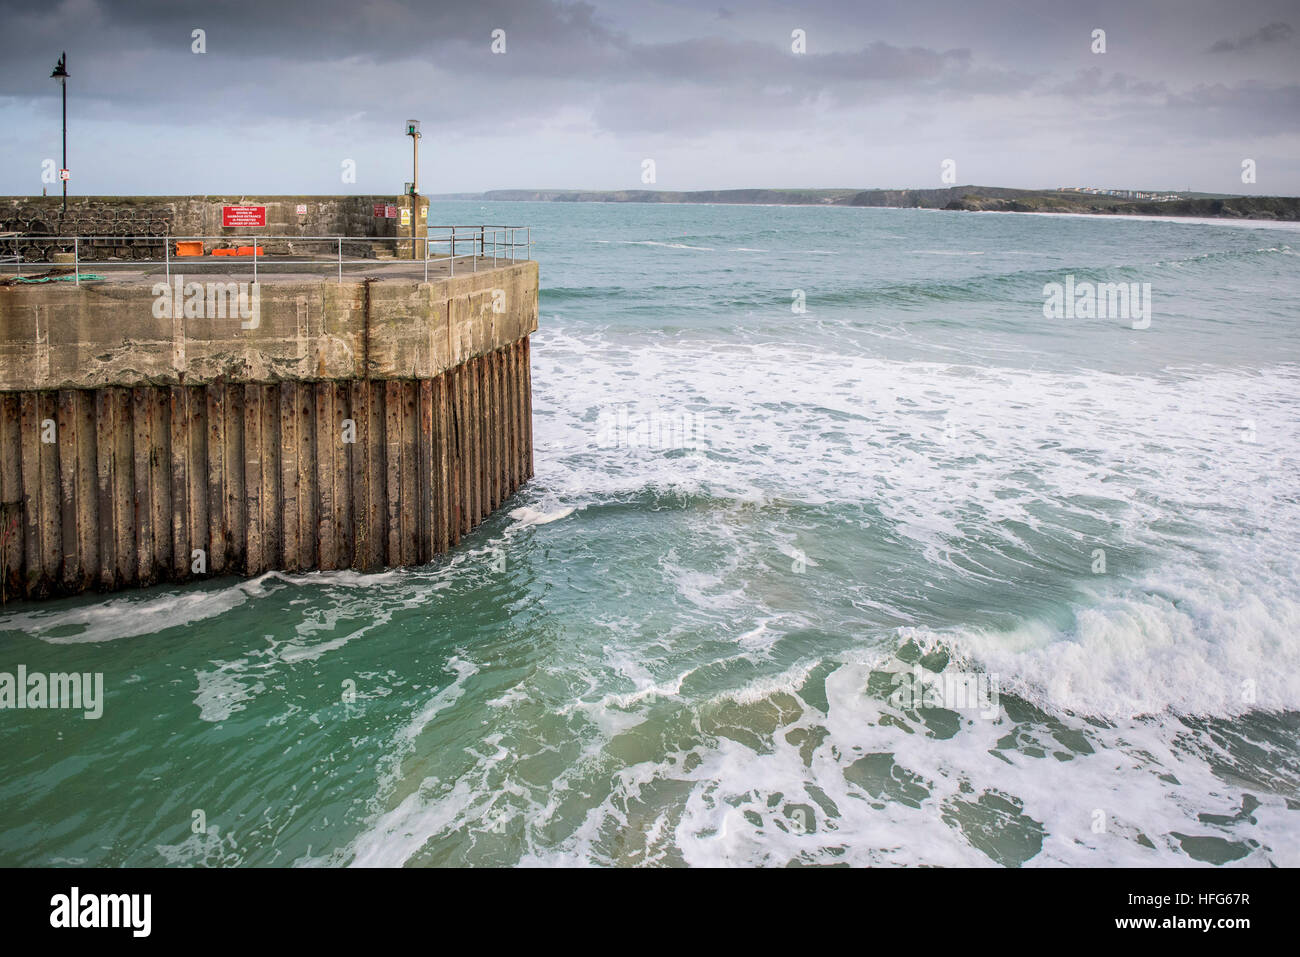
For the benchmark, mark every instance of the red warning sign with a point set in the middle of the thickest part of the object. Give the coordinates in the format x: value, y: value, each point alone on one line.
x: 243, y: 215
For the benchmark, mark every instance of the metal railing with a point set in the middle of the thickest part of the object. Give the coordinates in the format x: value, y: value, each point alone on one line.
x: 497, y: 243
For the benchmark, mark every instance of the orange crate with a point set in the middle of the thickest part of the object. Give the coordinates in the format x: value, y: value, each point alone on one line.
x: 189, y: 249
x: 248, y: 251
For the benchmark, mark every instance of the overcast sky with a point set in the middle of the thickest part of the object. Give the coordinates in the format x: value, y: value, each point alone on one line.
x: 286, y: 92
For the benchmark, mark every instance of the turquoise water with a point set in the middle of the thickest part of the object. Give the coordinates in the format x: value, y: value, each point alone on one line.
x: 684, y: 641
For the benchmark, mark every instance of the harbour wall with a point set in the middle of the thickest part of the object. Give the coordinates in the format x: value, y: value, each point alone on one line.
x: 127, y: 227
x: 359, y: 425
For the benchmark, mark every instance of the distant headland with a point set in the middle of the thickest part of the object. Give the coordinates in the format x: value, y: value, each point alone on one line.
x: 972, y: 198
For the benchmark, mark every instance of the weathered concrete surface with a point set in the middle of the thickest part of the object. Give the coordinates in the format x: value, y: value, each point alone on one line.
x: 61, y: 336
x: 136, y: 449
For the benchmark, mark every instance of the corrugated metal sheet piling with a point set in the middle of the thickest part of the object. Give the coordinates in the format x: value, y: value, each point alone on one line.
x: 354, y: 425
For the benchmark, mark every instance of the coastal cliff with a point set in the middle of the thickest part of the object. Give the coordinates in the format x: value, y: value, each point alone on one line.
x: 957, y: 198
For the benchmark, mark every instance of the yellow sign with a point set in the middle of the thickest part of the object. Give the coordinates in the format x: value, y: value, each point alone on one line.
x: 406, y: 217
x: 424, y: 213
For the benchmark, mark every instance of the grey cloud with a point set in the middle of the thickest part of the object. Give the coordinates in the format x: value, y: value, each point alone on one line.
x: 1219, y: 111
x: 1271, y: 33
x: 1093, y: 82
x: 274, y: 61
x: 323, y: 29
x: 300, y: 77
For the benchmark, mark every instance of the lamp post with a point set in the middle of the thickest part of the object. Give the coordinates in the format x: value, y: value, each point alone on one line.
x: 61, y: 74
x: 413, y: 131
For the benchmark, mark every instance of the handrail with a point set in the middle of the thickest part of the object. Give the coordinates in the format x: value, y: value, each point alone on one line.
x: 505, y: 242
x: 176, y: 237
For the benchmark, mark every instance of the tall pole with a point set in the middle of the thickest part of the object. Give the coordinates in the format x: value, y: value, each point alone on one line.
x: 61, y: 74
x: 415, y: 189
x: 413, y: 131
x: 64, y: 83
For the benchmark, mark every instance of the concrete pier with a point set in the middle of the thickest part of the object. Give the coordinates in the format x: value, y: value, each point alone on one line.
x: 361, y: 424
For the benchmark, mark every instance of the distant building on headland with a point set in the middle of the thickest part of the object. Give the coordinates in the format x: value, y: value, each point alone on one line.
x: 1121, y: 193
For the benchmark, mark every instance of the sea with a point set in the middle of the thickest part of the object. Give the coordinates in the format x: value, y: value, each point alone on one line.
x: 844, y: 548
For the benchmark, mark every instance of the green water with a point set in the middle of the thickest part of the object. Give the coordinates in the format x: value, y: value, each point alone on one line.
x: 776, y: 516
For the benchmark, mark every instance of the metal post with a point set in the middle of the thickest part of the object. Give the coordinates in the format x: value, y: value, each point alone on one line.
x: 76, y: 259
x: 426, y: 256
x: 452, y: 260
x: 63, y: 82
x: 167, y: 257
x: 340, y: 260
x: 528, y: 237
x: 494, y: 247
x: 254, y: 259
x: 413, y: 131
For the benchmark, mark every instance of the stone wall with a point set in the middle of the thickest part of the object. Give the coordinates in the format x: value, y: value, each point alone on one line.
x: 122, y: 221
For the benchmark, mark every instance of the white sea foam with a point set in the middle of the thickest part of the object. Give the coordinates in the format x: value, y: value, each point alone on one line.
x: 937, y: 450
x: 1130, y: 218
x: 869, y: 794
x: 525, y: 515
x: 166, y: 608
x: 651, y: 242
x: 952, y: 457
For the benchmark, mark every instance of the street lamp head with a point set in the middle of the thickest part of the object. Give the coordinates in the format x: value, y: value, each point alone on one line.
x: 412, y: 127
x: 60, y: 69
